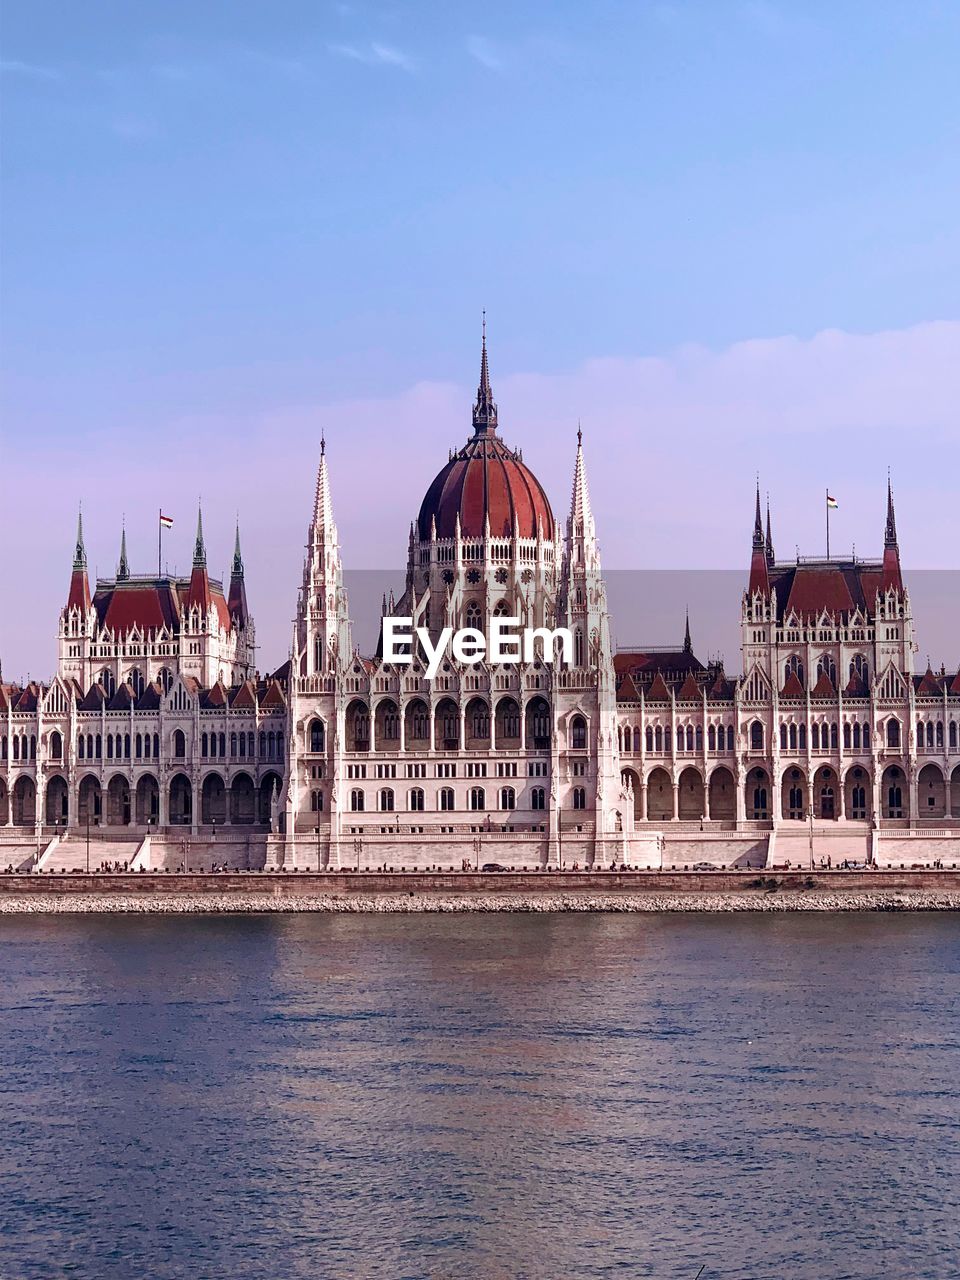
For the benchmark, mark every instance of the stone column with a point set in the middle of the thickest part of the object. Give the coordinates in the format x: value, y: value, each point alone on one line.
x: 676, y: 800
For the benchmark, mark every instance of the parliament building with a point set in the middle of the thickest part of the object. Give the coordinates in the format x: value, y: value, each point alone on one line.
x: 157, y: 744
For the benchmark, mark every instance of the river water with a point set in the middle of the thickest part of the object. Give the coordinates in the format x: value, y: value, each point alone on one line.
x: 480, y: 1096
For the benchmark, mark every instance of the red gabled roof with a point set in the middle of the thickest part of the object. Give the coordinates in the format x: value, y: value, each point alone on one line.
x: 689, y: 690
x: 214, y: 697
x: 856, y: 687
x: 122, y: 699
x: 244, y: 696
x: 792, y: 688
x: 273, y: 696
x: 26, y: 699
x: 149, y: 700
x: 824, y: 688
x: 929, y: 685
x: 145, y: 605
x: 628, y: 691
x: 955, y: 685
x: 658, y: 691
x: 722, y: 689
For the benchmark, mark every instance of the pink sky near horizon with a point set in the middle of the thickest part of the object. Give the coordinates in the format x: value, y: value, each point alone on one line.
x: 673, y: 445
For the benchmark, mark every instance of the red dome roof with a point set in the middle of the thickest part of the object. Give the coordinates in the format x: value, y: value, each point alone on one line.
x: 485, y: 480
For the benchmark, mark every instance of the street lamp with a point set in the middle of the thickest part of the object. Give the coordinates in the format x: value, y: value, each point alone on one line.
x: 317, y: 830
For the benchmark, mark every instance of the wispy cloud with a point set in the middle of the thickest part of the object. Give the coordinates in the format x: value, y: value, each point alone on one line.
x: 375, y: 55
x: 485, y: 52
x: 13, y: 67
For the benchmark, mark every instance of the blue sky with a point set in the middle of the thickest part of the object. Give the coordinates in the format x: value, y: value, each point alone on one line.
x: 224, y: 222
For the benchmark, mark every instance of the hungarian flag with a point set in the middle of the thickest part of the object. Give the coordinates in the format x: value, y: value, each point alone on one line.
x: 832, y: 503
x: 166, y: 522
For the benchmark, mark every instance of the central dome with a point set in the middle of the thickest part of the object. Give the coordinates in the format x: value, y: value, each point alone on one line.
x: 485, y: 481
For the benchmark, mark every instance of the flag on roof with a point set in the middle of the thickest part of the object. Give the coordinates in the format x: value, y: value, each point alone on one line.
x: 832, y: 503
x: 166, y: 522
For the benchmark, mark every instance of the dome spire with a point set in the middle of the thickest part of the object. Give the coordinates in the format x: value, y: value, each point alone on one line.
x: 485, y: 410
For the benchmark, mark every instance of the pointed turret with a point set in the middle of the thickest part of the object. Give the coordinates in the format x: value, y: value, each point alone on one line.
x: 79, y: 596
x: 199, y: 590
x: 237, y: 598
x: 485, y: 409
x: 580, y: 523
x: 199, y: 550
x: 322, y: 635
x: 687, y: 642
x: 892, y: 577
x: 759, y: 578
x: 123, y: 568
x: 769, y: 539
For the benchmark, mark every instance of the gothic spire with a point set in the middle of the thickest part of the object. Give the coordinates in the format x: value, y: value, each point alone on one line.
x: 758, y: 539
x: 581, y: 511
x: 237, y: 598
x: 890, y: 536
x: 322, y: 503
x: 80, y: 554
x: 237, y: 568
x: 199, y: 551
x: 687, y: 642
x: 79, y: 596
x: 123, y: 568
x: 485, y: 410
x: 769, y: 542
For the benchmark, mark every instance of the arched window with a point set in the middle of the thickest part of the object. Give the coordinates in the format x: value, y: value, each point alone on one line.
x: 538, y: 798
x: 860, y: 667
x: 579, y: 798
x: 203, y: 746
x: 179, y: 744
x: 847, y: 741
x: 416, y: 800
x: 99, y: 744
x: 480, y: 721
x: 107, y: 682
x: 939, y: 733
x: 56, y: 746
x: 385, y: 801
x: 578, y: 734
x: 356, y: 800
x: 156, y: 746
x: 446, y: 799
x: 699, y: 737
x: 658, y: 738
x: 856, y: 737
x: 893, y: 733
x: 689, y: 737
x: 953, y: 733
x: 756, y: 736
x: 730, y: 737
x: 242, y: 743
x: 109, y: 746
x: 81, y: 743
x: 316, y: 801
x: 711, y: 738
x: 793, y: 737
x: 391, y: 724
x: 477, y: 798
x: 474, y: 616
x: 815, y: 737
x: 578, y: 647
x: 679, y: 737
x: 833, y: 736
x: 929, y: 733
x: 508, y: 798
x: 649, y: 738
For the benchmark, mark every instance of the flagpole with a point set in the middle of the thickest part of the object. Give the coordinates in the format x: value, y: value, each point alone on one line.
x: 159, y: 541
x: 827, y: 491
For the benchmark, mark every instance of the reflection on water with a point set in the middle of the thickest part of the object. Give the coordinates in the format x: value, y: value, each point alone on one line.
x: 482, y: 1096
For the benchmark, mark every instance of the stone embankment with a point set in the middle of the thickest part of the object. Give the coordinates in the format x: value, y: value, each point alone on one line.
x: 777, y: 899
